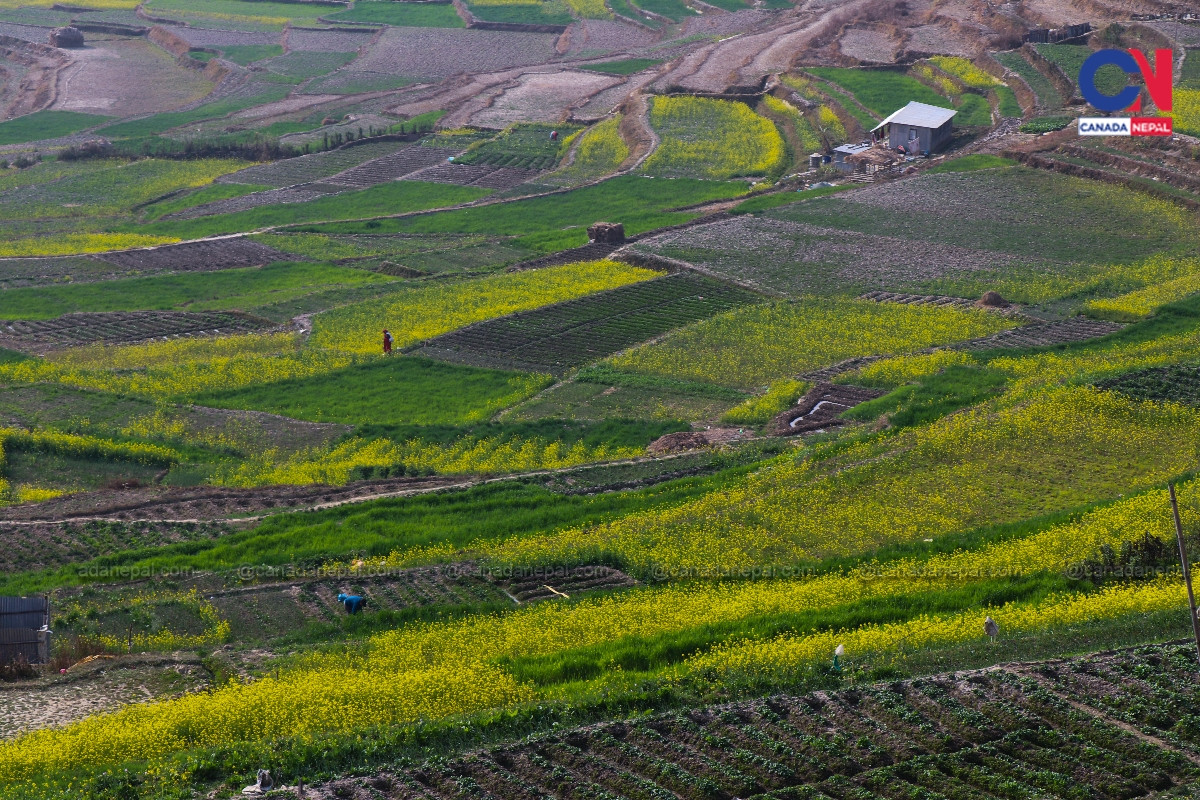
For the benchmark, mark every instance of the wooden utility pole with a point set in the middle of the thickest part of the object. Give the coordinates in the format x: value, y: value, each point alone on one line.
x: 1187, y: 573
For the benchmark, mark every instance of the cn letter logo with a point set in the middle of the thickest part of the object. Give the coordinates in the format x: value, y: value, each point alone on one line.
x: 1157, y: 78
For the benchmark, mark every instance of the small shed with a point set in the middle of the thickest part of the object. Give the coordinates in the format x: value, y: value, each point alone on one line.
x: 842, y: 155
x: 918, y: 128
x: 24, y: 629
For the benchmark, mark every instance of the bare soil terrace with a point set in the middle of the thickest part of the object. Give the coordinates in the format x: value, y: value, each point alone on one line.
x: 121, y: 327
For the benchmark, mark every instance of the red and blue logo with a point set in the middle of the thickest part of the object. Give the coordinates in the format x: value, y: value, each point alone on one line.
x: 1158, y: 81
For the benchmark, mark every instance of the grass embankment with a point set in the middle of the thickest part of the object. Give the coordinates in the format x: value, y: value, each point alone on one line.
x: 376, y: 528
x: 409, y: 15
x: 46, y: 125
x: 159, y: 123
x: 880, y: 91
x: 396, y: 197
x: 624, y: 66
x: 209, y: 291
x: 400, y: 390
x: 560, y: 221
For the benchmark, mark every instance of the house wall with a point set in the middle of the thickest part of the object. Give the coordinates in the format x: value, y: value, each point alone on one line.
x: 927, y: 138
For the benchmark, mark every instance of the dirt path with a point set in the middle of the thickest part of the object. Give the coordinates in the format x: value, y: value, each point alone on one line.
x: 223, y: 498
x: 103, y: 685
x: 637, y: 132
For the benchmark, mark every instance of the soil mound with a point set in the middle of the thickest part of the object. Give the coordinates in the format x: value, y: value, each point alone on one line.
x: 992, y: 300
x: 677, y: 443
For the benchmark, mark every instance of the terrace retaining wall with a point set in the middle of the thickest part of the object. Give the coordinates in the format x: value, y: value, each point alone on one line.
x: 471, y: 21
x: 1064, y: 84
x: 1075, y: 170
x: 1025, y: 95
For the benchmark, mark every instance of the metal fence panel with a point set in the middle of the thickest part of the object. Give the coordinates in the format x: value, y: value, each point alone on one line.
x: 16, y: 642
x: 23, y: 612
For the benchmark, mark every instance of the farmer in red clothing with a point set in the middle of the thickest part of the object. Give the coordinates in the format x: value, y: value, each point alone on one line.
x: 387, y: 342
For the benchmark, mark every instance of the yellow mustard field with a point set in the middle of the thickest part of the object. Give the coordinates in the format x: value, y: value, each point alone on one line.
x: 758, y: 344
x: 1062, y: 448
x: 72, y: 243
x: 712, y: 139
x: 437, y: 670
x: 418, y: 314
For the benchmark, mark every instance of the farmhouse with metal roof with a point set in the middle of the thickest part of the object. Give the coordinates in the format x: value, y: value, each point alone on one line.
x: 918, y: 128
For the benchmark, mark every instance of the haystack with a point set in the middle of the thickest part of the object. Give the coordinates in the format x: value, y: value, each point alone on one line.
x: 66, y: 37
x: 607, y: 233
x: 992, y: 300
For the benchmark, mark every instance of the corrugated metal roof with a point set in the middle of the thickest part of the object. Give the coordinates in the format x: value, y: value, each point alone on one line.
x: 922, y: 115
x: 851, y: 149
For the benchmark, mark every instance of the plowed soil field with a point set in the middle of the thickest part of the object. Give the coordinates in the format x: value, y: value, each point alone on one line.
x: 566, y: 335
x: 1106, y: 726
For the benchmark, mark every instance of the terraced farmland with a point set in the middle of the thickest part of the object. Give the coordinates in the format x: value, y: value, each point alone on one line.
x: 195, y: 256
x: 1049, y: 98
x: 784, y: 256
x: 121, y: 327
x: 487, y: 176
x: 570, y: 334
x: 1076, y: 329
x: 273, y: 609
x: 1100, y: 727
x: 391, y: 167
x: 613, y: 520
x: 1175, y: 384
x: 526, y: 147
x: 314, y: 167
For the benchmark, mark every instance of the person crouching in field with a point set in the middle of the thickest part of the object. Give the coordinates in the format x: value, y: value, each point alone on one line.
x: 387, y: 342
x: 352, y: 602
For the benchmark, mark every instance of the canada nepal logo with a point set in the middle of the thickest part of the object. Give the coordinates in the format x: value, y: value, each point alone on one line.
x: 1158, y: 84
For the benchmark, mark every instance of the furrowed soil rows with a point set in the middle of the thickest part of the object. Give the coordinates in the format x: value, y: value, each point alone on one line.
x: 564, y: 581
x: 18, y: 272
x: 1075, y: 329
x: 482, y: 175
x: 52, y: 544
x: 392, y: 167
x: 799, y: 258
x: 964, y: 303
x: 204, y: 503
x: 442, y: 52
x: 317, y: 41
x: 1175, y: 384
x: 593, y: 251
x: 542, y: 97
x: 272, y: 609
x: 204, y: 256
x: 1001, y: 733
x: 122, y: 327
x: 295, y: 194
x: 594, y: 35
x: 313, y: 167
x: 570, y: 334
x: 214, y: 37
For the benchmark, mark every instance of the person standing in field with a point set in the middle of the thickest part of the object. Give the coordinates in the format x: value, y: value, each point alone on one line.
x: 387, y: 342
